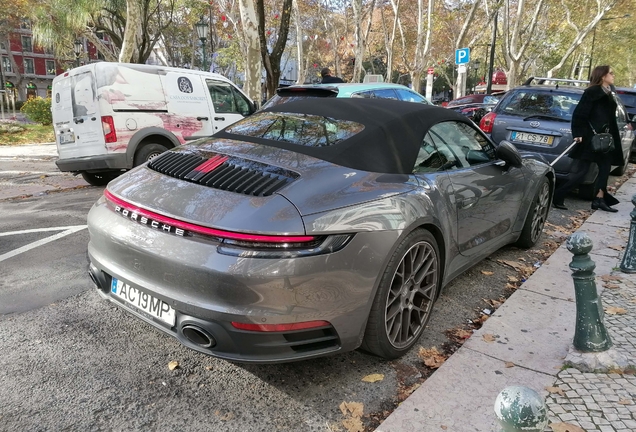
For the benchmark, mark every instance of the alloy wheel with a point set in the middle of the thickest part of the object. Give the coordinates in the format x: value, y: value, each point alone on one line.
x: 411, y: 295
x: 541, y: 208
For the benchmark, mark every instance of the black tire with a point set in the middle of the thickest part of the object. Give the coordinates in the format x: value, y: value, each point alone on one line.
x: 99, y: 178
x: 147, y: 152
x: 408, y: 289
x: 537, y: 216
x: 587, y: 192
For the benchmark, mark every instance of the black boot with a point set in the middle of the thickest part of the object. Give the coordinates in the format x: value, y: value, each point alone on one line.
x: 599, y: 204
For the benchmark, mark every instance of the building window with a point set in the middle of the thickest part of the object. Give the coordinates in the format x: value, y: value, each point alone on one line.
x: 29, y: 68
x: 25, y: 24
x: 26, y: 44
x: 6, y: 64
x: 100, y: 56
x: 2, y: 46
x: 50, y: 67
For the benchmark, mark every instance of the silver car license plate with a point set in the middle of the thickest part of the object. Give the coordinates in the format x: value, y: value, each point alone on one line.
x: 143, y: 301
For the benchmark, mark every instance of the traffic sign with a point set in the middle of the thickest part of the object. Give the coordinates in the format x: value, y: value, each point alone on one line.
x: 431, y: 71
x: 462, y: 56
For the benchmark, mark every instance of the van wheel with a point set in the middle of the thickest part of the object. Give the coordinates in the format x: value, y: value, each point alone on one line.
x: 147, y: 152
x: 99, y: 178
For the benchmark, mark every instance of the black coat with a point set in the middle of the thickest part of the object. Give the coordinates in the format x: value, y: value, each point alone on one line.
x: 599, y: 109
x: 328, y: 79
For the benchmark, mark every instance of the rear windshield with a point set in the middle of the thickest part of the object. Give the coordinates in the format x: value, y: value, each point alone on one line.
x: 530, y: 102
x: 301, y: 129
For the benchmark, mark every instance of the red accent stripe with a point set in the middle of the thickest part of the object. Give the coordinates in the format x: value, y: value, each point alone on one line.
x: 205, y: 230
x: 211, y: 164
x: 280, y: 327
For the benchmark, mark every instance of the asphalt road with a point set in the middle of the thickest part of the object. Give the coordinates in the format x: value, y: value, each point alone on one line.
x: 72, y: 361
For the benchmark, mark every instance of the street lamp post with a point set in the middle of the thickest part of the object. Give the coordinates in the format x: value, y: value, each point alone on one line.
x: 202, y: 30
x: 78, y: 47
x: 476, y: 65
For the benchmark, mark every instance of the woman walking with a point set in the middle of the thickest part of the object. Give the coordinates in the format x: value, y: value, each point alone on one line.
x: 595, y: 113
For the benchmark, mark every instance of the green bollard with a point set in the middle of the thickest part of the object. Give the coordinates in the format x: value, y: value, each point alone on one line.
x: 628, y: 264
x: 590, y: 334
x: 521, y: 409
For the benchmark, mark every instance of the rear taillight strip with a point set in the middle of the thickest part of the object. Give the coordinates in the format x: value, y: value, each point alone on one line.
x: 205, y: 230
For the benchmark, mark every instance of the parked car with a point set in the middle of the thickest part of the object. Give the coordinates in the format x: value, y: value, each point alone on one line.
x: 312, y: 227
x: 346, y: 90
x: 536, y: 117
x: 474, y: 106
x: 628, y: 97
x: 110, y: 117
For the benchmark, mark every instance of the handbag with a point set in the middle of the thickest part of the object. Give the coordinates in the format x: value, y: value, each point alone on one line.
x: 602, y: 142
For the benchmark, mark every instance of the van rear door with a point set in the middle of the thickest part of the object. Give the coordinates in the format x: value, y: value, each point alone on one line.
x: 76, y: 119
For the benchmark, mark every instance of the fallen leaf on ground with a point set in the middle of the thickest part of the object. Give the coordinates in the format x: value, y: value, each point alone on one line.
x: 462, y: 334
x: 512, y: 279
x: 431, y: 357
x: 444, y: 427
x: 608, y: 278
x: 509, y: 364
x: 611, y: 286
x: 511, y: 286
x: 488, y: 337
x: 616, y: 247
x: 557, y: 390
x: 480, y: 320
x: 487, y: 273
x: 353, y: 424
x: 355, y: 408
x: 565, y: 427
x: 373, y: 378
x: 625, y: 402
x: 515, y: 265
x: 173, y: 365
x: 613, y: 310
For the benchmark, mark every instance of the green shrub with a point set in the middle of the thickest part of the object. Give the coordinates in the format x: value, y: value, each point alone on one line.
x: 38, y: 110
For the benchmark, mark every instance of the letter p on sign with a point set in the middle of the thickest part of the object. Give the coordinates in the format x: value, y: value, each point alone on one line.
x: 462, y: 56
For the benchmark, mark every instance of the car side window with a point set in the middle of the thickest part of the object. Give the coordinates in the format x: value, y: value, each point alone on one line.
x: 467, y: 144
x: 432, y: 158
x: 410, y: 96
x: 226, y: 99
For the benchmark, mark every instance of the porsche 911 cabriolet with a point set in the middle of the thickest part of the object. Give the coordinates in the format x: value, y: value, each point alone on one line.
x: 313, y: 227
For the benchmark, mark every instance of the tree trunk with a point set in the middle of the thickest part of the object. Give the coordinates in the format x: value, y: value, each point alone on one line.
x: 302, y: 72
x: 253, y: 63
x: 271, y: 60
x: 133, y: 28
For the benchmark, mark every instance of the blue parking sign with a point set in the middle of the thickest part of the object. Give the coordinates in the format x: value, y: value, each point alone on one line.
x: 462, y: 56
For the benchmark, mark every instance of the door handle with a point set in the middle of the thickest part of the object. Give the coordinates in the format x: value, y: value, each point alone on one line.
x: 202, y: 118
x: 219, y: 118
x: 78, y: 121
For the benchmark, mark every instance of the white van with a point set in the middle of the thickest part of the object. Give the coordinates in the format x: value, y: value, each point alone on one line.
x: 110, y: 117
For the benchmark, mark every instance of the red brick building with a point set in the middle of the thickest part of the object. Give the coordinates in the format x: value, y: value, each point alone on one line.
x: 36, y: 66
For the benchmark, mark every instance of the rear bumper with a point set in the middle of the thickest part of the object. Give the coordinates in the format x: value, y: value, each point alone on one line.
x: 94, y: 163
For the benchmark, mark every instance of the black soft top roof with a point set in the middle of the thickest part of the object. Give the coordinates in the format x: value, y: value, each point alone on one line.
x: 391, y: 139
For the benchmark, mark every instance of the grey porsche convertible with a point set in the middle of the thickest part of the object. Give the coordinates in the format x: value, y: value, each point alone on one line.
x: 312, y: 227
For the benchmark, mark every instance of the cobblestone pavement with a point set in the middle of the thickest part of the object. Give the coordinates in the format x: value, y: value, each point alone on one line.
x: 602, y: 401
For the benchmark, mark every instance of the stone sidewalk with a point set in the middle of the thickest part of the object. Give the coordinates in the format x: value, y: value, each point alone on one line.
x: 526, y: 341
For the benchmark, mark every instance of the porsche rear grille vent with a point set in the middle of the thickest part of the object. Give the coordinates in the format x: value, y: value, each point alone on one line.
x: 223, y: 172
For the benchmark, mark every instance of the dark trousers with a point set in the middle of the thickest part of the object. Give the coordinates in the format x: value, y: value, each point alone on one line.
x: 578, y: 173
x: 604, y: 167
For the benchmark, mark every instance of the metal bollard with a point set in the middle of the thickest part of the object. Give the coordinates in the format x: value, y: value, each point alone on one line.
x: 520, y: 409
x: 628, y: 264
x: 590, y: 334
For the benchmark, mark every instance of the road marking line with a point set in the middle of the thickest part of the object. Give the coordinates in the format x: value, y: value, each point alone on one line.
x: 34, y: 230
x: 35, y: 244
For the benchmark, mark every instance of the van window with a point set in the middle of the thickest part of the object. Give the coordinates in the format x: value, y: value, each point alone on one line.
x: 226, y: 99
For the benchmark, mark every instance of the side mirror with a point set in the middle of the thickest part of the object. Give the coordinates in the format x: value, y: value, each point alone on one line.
x: 509, y: 154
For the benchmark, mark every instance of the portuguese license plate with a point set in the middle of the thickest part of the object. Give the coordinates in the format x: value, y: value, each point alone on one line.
x: 66, y: 138
x: 532, y: 138
x: 143, y: 301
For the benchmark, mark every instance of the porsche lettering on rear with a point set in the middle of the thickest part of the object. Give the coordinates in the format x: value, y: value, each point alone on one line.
x: 129, y: 214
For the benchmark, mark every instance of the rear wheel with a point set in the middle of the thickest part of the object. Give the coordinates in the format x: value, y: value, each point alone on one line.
x: 405, y: 297
x: 99, y: 178
x: 537, y: 216
x: 147, y: 152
